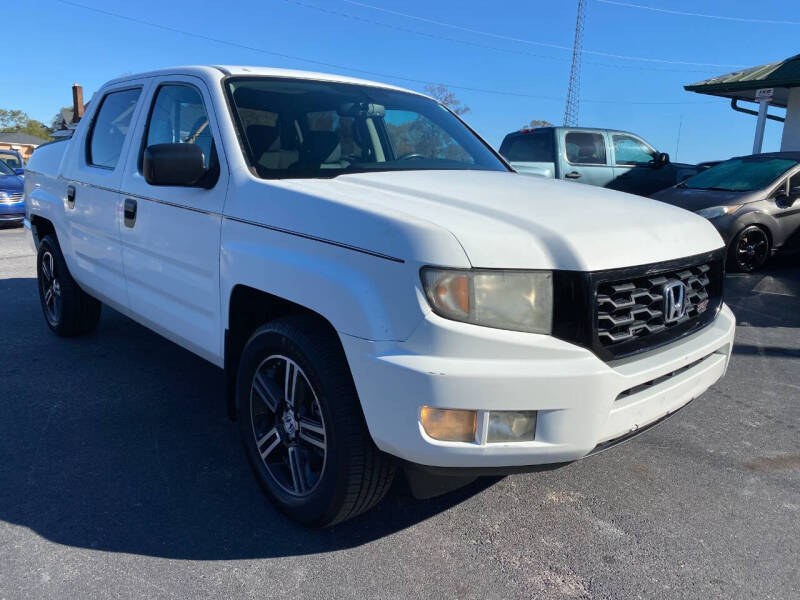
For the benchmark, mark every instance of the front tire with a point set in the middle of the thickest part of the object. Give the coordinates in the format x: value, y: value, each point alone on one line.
x: 302, y: 426
x: 68, y: 310
x: 749, y: 250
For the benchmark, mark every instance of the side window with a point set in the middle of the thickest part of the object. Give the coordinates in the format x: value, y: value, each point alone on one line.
x: 794, y: 181
x: 529, y: 147
x: 179, y: 116
x: 585, y: 148
x: 110, y: 128
x: 630, y: 151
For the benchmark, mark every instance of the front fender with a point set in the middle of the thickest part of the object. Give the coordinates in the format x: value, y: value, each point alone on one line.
x: 360, y: 294
x: 738, y: 222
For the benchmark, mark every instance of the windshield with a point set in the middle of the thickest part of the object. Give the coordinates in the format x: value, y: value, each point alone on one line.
x: 304, y: 128
x: 740, y: 174
x: 5, y: 169
x: 11, y: 160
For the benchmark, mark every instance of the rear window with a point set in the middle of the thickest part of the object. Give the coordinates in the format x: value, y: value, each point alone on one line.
x: 529, y: 147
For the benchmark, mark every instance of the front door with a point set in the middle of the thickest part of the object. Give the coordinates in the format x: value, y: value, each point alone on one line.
x: 586, y: 158
x: 93, y: 171
x: 171, y: 235
x: 788, y: 215
x: 636, y: 169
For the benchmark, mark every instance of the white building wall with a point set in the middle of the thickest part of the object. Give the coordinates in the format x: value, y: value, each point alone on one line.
x: 791, y: 128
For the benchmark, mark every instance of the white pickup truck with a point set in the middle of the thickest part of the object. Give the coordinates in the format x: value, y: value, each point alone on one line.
x: 380, y: 289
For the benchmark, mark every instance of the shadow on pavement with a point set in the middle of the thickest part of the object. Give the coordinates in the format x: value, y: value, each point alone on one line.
x: 119, y: 441
x: 769, y: 298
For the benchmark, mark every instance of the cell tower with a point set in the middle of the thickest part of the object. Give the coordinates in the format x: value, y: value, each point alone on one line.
x: 574, y: 88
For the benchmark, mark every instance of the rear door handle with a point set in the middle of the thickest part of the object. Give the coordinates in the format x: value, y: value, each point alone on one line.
x: 573, y: 175
x: 129, y: 212
x: 70, y: 196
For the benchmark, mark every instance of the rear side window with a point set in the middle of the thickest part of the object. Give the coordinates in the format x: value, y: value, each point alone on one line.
x: 110, y: 128
x: 529, y: 147
x: 585, y: 148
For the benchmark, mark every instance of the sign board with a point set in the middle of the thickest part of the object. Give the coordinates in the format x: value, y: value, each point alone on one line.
x: 764, y: 94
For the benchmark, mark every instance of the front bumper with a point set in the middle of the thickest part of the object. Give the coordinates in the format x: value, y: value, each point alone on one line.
x: 12, y: 212
x: 582, y: 402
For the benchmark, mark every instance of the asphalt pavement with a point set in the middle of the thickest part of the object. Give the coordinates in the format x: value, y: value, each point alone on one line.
x: 122, y: 477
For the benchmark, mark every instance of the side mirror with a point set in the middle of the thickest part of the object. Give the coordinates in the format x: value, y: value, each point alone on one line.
x: 662, y: 159
x: 173, y: 164
x: 19, y: 171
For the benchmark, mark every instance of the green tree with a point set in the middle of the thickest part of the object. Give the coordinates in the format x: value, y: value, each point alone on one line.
x: 16, y: 121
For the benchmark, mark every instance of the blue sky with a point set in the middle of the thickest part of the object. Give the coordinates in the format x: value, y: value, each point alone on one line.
x: 514, y: 55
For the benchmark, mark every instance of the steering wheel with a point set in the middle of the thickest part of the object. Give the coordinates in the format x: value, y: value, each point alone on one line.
x: 412, y: 156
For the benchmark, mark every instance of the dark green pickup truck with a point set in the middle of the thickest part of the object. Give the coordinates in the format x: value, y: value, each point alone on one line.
x: 614, y: 159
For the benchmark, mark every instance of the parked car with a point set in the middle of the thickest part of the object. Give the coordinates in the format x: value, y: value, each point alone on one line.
x: 12, y: 204
x: 14, y: 160
x: 379, y: 287
x: 614, y: 159
x: 753, y: 201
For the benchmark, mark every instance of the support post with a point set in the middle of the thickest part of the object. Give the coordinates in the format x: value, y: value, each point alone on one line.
x: 762, y: 120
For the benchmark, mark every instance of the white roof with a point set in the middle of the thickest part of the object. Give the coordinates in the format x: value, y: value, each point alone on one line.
x: 219, y: 71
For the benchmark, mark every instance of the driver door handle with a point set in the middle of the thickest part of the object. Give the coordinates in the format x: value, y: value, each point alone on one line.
x: 70, y: 196
x: 129, y: 212
x: 573, y: 175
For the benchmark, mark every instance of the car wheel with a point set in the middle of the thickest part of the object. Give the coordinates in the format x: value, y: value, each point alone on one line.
x: 302, y: 425
x: 68, y: 310
x: 749, y: 250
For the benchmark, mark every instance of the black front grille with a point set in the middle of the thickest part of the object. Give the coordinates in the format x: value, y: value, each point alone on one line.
x: 620, y: 312
x: 635, y: 308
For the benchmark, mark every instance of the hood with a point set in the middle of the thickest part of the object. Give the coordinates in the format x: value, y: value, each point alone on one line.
x: 11, y: 184
x: 695, y: 200
x: 507, y: 220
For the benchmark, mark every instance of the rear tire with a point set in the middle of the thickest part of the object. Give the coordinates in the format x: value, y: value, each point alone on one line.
x: 307, y: 441
x: 749, y: 250
x: 68, y: 310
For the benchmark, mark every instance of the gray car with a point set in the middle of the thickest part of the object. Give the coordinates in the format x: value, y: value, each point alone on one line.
x: 753, y: 201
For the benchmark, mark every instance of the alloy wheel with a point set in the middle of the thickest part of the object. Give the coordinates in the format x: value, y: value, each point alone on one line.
x: 50, y: 288
x: 288, y: 426
x: 752, y: 249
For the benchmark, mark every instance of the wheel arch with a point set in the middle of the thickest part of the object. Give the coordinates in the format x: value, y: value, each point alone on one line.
x: 762, y: 220
x: 248, y: 309
x: 40, y: 227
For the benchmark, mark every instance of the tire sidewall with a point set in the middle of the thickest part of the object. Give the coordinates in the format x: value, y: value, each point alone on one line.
x: 276, y: 339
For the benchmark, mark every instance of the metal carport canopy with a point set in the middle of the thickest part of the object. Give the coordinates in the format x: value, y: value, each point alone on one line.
x: 743, y: 84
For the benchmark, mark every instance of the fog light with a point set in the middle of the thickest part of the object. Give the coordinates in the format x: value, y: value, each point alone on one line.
x: 449, y: 425
x: 512, y: 426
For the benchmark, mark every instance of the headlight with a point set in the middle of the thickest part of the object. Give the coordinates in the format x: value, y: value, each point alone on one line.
x: 516, y: 300
x: 718, y: 211
x: 3, y: 195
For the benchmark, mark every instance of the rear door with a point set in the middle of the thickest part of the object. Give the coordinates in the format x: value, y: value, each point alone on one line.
x: 93, y: 171
x: 586, y: 157
x: 171, y: 235
x: 635, y: 166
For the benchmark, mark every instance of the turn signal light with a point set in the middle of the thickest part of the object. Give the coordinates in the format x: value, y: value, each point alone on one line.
x: 449, y: 425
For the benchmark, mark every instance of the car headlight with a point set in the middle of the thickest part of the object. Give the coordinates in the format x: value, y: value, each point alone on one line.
x: 714, y: 212
x: 515, y: 300
x: 3, y: 195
